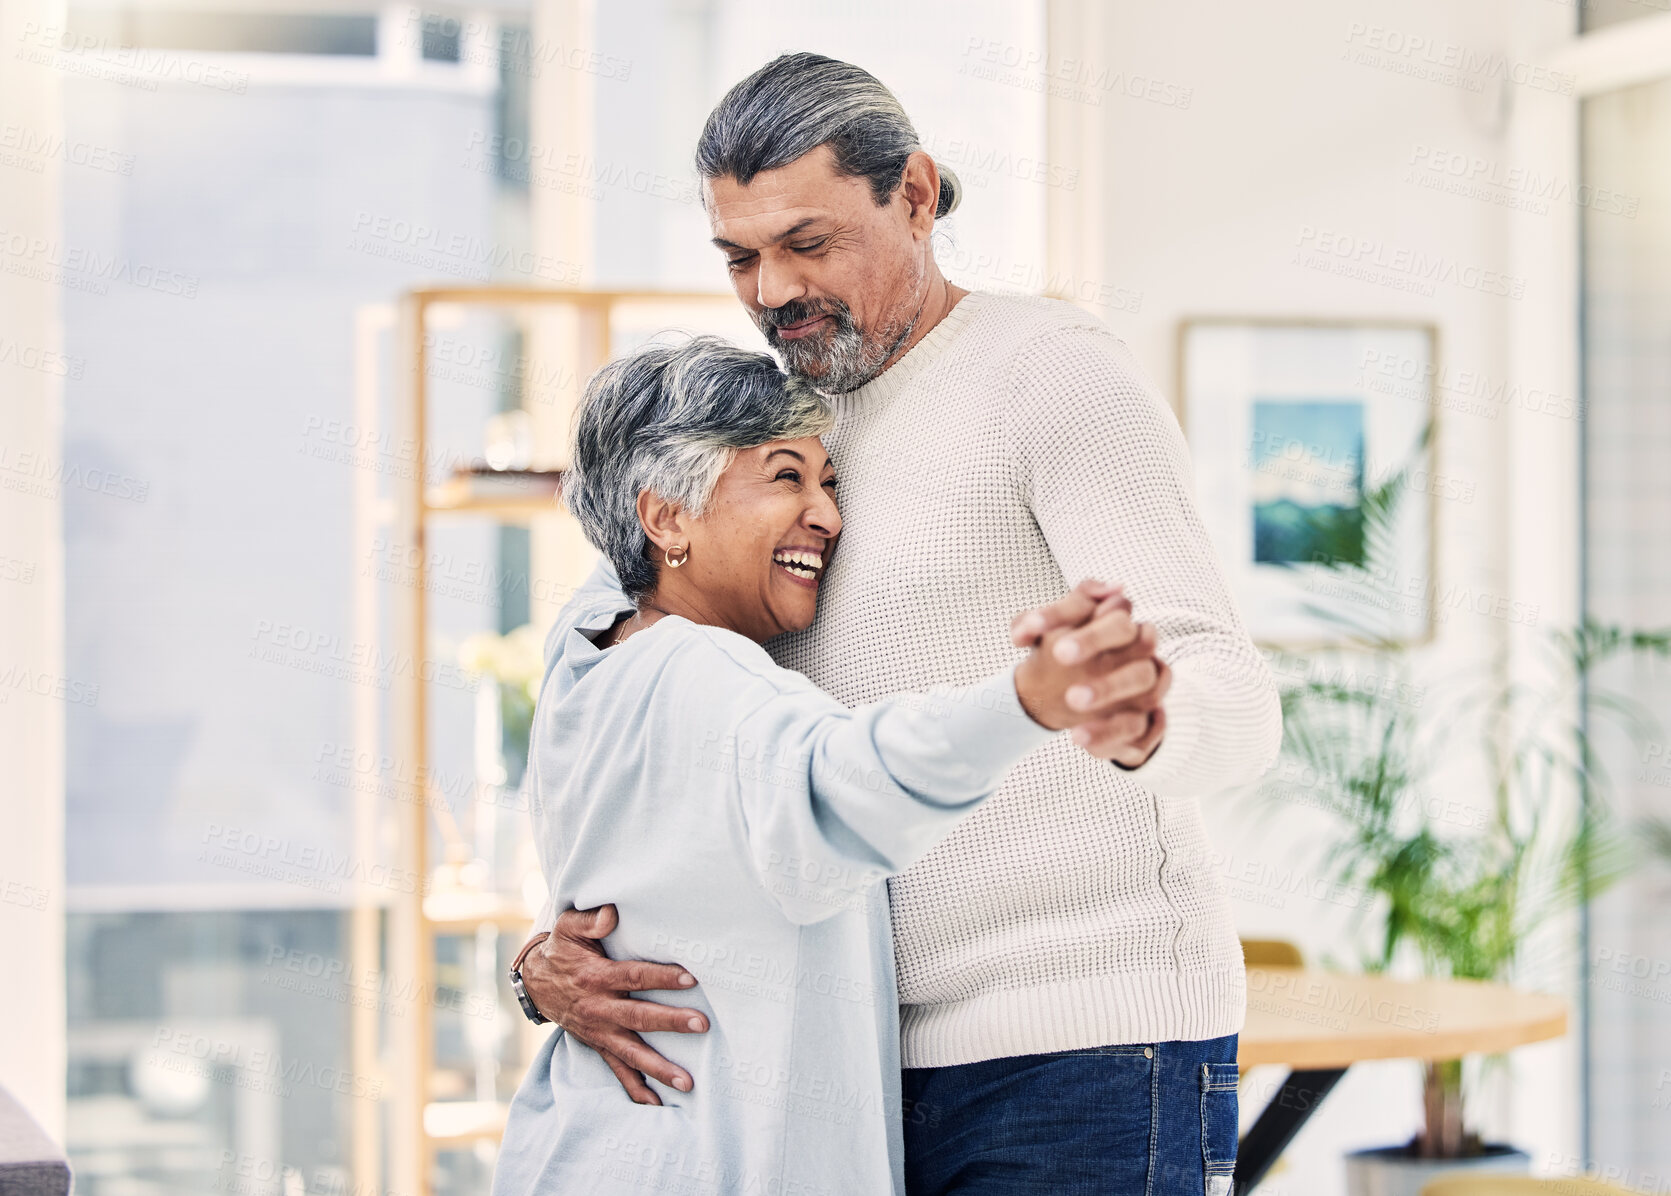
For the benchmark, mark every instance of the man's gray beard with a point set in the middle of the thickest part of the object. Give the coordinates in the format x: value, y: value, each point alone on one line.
x: 848, y: 360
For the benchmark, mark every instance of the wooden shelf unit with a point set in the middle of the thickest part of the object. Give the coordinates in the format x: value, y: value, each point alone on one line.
x: 453, y: 498
x: 416, y: 1126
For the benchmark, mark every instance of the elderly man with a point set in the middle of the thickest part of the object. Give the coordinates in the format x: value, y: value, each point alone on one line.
x: 1070, y: 981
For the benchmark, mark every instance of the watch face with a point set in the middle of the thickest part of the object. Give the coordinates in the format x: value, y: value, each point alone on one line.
x: 522, y: 998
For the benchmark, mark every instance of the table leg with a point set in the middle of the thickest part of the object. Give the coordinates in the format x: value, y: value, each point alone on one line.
x: 1295, y: 1101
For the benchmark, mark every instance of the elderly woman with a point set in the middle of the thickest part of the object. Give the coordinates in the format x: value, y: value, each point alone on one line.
x: 739, y: 818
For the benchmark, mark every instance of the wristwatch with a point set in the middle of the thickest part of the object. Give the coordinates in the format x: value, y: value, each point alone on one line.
x: 522, y: 998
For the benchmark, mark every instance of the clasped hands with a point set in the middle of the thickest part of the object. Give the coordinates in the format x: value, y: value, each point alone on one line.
x: 1093, y: 668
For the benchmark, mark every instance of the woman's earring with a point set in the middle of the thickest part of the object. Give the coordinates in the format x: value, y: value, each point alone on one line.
x: 684, y: 555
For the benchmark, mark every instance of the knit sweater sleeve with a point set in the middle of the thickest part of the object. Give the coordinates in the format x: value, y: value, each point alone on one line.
x: 834, y: 799
x: 1104, y: 469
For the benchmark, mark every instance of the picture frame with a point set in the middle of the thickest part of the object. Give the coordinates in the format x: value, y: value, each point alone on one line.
x: 1313, y: 443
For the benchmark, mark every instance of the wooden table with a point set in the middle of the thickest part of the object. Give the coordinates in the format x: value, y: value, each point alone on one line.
x: 1319, y: 1023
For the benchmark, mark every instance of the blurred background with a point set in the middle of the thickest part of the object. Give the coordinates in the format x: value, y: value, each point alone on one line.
x: 295, y: 300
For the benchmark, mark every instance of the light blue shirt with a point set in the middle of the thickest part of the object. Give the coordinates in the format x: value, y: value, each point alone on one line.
x: 742, y: 821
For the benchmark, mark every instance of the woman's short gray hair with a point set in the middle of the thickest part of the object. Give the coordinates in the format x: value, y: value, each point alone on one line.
x: 798, y: 102
x: 670, y: 419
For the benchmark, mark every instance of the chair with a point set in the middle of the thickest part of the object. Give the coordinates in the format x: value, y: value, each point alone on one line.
x: 30, y: 1163
x: 1457, y: 1184
x: 1271, y: 953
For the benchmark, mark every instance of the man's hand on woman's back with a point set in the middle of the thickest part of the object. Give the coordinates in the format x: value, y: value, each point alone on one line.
x: 589, y: 996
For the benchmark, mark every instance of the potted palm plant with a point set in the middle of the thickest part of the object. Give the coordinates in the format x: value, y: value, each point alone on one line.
x: 1455, y: 889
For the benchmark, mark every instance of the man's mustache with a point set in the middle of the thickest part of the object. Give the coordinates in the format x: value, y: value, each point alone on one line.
x: 797, y: 310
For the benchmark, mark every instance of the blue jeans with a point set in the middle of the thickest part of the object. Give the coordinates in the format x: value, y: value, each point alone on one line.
x: 1156, y: 1120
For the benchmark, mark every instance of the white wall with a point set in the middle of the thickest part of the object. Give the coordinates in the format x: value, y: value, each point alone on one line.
x: 1250, y: 125
x: 991, y: 136
x: 1311, y: 115
x: 31, y: 599
x: 1628, y: 368
x: 680, y: 56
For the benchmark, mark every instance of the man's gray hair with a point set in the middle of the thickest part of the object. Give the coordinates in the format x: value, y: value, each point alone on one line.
x: 670, y: 419
x: 798, y: 102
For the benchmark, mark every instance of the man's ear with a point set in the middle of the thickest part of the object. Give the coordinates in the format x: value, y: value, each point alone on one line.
x: 920, y: 185
x: 663, y: 522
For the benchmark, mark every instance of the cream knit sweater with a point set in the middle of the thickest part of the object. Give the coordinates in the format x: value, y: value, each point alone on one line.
x: 1015, y: 450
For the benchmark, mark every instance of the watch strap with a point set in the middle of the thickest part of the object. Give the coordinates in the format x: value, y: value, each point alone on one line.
x: 516, y: 964
x: 529, y: 1009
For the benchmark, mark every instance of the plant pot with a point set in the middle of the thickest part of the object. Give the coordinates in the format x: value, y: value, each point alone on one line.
x: 1394, y: 1171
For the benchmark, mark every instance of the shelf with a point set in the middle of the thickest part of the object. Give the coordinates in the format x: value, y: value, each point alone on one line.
x: 463, y: 912
x: 463, y: 1122
x: 441, y: 918
x: 507, y: 510
x: 460, y: 496
x: 499, y: 295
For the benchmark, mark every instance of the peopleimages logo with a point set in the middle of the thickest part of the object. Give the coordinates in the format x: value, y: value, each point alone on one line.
x: 1066, y: 78
x: 1438, y: 61
x: 43, y: 361
x: 344, y: 982
x: 80, y: 268
x: 253, y: 1067
x: 1472, y: 391
x: 580, y: 174
x: 29, y: 149
x: 511, y: 49
x: 27, y: 472
x: 968, y: 155
x: 1370, y: 255
x: 308, y: 864
x: 89, y: 54
x: 1520, y: 187
x: 417, y: 243
x: 15, y: 679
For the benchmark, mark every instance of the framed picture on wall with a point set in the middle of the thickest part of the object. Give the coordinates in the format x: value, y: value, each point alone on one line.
x: 1313, y: 450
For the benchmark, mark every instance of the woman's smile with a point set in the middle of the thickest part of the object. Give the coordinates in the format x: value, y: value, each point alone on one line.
x: 803, y: 565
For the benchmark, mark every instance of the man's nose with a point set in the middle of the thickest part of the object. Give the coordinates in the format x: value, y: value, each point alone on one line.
x: 778, y: 283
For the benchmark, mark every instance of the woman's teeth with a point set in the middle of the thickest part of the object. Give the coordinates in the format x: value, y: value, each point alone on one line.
x: 801, y: 564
